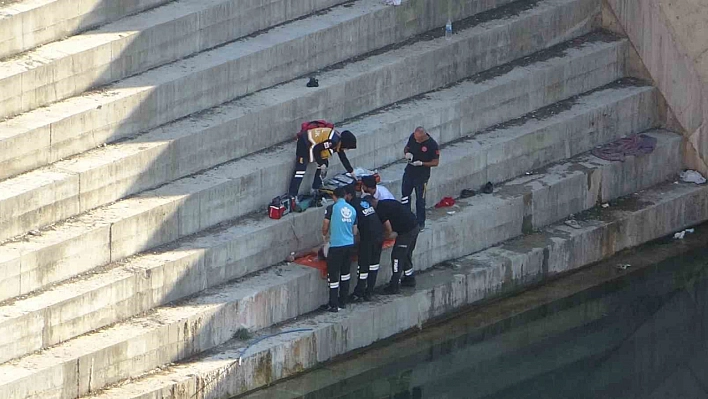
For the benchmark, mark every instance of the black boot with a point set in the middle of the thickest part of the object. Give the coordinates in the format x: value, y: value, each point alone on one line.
x: 392, y: 289
x: 408, y: 281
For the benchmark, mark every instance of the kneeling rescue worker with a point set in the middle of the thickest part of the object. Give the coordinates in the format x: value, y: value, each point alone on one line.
x: 370, y: 244
x: 316, y: 142
x: 398, y: 217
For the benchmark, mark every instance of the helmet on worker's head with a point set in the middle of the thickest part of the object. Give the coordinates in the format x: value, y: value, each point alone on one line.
x: 348, y: 140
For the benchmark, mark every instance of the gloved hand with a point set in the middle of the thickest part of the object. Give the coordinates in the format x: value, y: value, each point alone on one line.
x: 409, y: 156
x: 417, y: 163
x: 323, y: 171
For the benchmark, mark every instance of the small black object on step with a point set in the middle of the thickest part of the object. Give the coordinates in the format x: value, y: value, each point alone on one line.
x: 313, y: 82
x: 488, y: 188
x: 466, y: 193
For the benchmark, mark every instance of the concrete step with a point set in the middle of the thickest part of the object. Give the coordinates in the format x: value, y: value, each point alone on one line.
x: 168, y: 334
x: 194, y: 203
x: 106, y: 174
x: 27, y: 24
x: 67, y: 68
x: 153, y: 279
x: 276, y: 353
x: 289, y: 51
x: 526, y: 145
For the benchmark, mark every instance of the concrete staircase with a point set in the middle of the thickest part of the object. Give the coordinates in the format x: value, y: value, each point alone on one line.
x: 138, y: 159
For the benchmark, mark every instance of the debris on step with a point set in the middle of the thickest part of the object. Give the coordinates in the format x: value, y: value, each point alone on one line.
x: 681, y: 234
x: 691, y: 176
x: 573, y: 223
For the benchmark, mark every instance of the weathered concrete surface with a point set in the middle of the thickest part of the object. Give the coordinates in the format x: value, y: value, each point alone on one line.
x: 671, y: 39
x: 168, y: 334
x: 563, y: 130
x: 150, y: 280
x: 178, y: 149
x: 132, y: 45
x: 31, y: 23
x: 192, y: 204
x: 520, y: 205
x: 220, y: 375
x: 210, y: 78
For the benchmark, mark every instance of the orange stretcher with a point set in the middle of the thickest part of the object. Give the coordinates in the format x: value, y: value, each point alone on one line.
x: 312, y: 260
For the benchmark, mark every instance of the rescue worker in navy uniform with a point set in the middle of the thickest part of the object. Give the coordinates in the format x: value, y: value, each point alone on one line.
x: 422, y: 153
x: 339, y: 224
x: 370, y: 244
x: 398, y: 217
x: 316, y: 142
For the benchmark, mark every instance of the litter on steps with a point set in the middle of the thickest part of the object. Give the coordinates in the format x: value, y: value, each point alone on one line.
x: 634, y: 145
x: 691, y: 176
x: 681, y: 234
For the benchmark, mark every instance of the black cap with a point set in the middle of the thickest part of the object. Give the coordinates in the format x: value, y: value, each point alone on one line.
x: 348, y: 140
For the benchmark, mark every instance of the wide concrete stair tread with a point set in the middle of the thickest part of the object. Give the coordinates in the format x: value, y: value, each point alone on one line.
x: 512, y: 206
x: 66, y: 68
x: 526, y: 145
x: 182, y: 330
x: 30, y: 23
x: 106, y: 174
x: 191, y: 204
x: 97, y: 177
x: 161, y: 95
x: 529, y: 259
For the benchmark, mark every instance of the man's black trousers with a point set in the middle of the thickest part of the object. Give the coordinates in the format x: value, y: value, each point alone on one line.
x: 369, y: 259
x: 338, y: 263
x: 402, y: 255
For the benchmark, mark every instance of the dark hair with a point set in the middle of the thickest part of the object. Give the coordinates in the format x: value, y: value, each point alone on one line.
x: 368, y: 181
x: 339, y: 192
x: 348, y: 140
x: 350, y: 189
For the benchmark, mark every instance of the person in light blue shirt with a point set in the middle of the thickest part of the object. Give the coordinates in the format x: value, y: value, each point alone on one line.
x: 339, y: 225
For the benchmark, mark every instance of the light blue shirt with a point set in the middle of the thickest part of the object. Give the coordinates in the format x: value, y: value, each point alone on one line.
x: 342, y: 218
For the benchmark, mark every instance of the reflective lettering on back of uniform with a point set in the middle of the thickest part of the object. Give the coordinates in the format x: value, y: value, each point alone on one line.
x: 316, y: 136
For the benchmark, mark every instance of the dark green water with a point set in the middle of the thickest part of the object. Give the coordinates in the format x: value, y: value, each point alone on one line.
x: 598, y: 333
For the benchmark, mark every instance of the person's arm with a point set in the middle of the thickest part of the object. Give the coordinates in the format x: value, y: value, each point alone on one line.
x: 388, y: 230
x: 325, y: 227
x: 325, y: 222
x: 345, y: 161
x: 436, y: 156
x: 408, y: 146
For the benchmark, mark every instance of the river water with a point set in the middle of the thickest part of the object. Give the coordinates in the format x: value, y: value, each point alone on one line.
x: 602, y: 332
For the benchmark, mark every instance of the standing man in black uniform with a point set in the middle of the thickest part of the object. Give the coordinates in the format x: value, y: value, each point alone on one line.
x: 398, y: 217
x: 422, y: 153
x: 370, y: 244
x: 317, y: 142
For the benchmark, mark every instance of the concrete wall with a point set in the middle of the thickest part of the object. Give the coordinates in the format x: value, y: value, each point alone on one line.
x: 671, y: 40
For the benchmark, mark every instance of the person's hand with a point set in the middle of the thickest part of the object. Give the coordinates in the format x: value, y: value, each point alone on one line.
x: 323, y: 170
x: 417, y: 163
x: 409, y: 156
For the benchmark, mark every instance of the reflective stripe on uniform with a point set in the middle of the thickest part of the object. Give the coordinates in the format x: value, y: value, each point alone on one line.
x: 363, y: 276
x: 345, y: 277
x: 408, y: 272
x: 373, y: 268
x: 334, y: 284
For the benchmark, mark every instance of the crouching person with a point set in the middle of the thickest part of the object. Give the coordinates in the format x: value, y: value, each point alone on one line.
x: 370, y: 244
x: 317, y: 142
x: 339, y: 226
x: 397, y: 217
